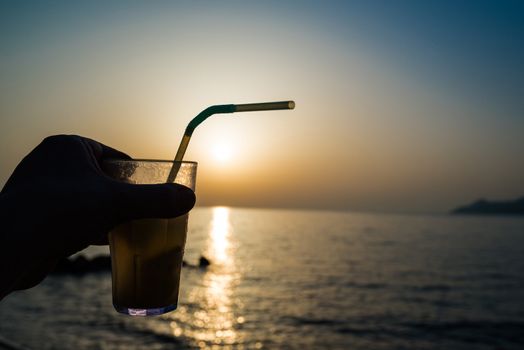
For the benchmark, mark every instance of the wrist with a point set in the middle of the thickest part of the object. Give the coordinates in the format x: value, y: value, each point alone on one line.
x: 13, y: 264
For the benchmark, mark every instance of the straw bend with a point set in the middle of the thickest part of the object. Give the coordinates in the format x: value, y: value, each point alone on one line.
x: 247, y: 107
x: 206, y: 113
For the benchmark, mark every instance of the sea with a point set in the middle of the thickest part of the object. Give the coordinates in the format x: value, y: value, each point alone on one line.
x: 303, y: 279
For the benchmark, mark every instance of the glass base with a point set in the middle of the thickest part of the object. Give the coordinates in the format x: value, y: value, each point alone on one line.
x: 145, y: 312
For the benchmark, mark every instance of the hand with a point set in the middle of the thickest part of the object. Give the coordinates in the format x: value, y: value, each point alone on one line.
x: 58, y: 201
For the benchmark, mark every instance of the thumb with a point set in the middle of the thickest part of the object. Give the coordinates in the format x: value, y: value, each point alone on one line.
x: 152, y: 201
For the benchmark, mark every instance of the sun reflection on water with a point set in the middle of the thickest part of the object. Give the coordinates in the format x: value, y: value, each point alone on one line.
x: 210, y: 318
x: 219, y: 236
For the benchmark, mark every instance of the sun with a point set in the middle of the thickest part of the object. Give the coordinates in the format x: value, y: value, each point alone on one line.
x: 222, y: 152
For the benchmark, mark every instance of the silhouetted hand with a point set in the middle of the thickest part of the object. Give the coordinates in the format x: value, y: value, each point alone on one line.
x: 58, y: 201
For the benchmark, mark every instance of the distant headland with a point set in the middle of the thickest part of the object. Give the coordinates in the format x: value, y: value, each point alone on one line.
x: 485, y: 207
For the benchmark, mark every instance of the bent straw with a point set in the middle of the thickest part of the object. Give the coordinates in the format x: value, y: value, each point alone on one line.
x: 220, y: 109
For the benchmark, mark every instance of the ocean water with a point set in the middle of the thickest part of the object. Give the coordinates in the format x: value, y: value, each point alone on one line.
x: 283, y: 279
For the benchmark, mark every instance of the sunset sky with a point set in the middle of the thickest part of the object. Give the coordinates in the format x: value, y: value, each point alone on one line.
x: 401, y: 106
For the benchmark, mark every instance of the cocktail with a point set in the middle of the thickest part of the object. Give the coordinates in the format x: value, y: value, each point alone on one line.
x: 146, y: 254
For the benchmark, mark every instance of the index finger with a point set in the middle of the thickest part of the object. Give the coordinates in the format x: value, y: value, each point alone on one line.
x: 101, y: 151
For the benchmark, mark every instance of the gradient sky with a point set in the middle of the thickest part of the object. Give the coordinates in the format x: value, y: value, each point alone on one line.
x: 412, y: 106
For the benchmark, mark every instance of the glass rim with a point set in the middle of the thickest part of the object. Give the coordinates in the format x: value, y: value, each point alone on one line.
x: 115, y: 160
